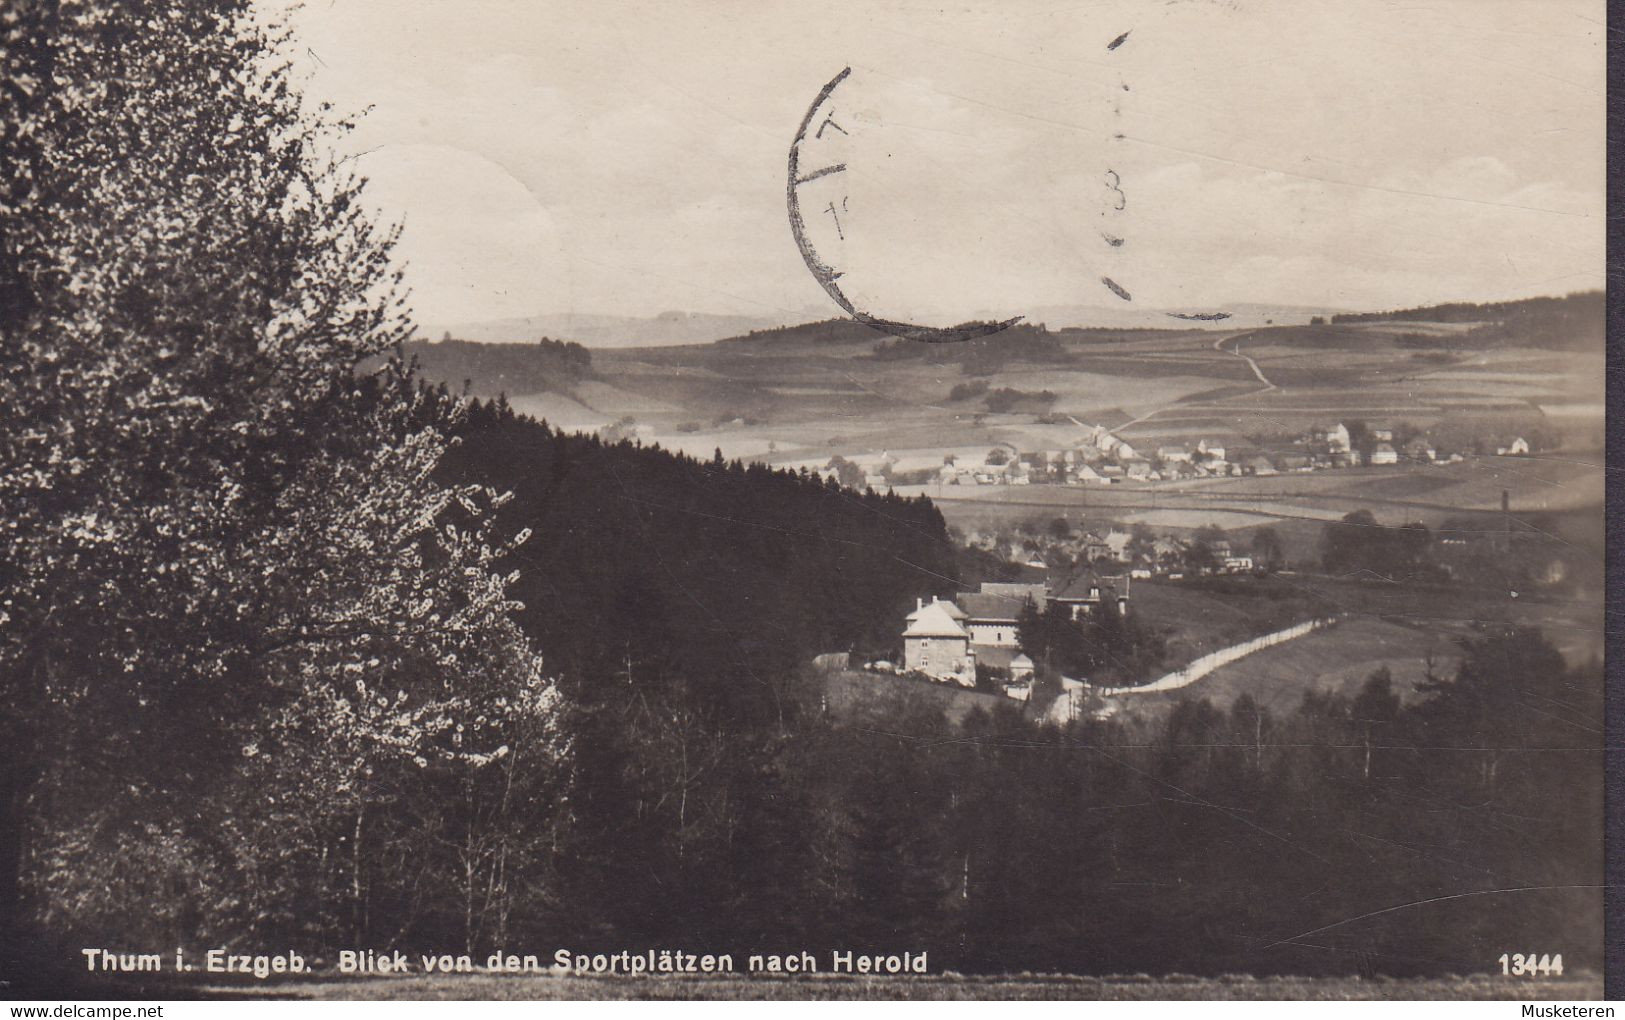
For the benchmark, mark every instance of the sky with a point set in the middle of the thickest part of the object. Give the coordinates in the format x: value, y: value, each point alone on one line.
x: 629, y: 158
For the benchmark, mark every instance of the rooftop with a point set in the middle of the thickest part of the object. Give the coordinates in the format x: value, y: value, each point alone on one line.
x: 934, y: 621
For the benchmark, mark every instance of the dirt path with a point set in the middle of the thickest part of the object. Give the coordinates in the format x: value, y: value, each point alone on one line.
x: 1218, y: 345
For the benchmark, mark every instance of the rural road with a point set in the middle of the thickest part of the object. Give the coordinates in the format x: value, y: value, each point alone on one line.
x: 1218, y: 345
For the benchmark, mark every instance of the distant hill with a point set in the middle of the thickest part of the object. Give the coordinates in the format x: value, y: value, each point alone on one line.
x: 1241, y: 315
x: 673, y: 328
x: 1575, y: 321
x: 814, y: 324
x: 824, y: 331
x: 512, y: 368
x: 666, y: 329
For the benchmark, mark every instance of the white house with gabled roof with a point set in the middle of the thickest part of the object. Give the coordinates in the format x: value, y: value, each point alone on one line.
x: 937, y: 643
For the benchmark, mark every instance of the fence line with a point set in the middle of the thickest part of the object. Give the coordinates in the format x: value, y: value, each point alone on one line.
x: 1199, y: 668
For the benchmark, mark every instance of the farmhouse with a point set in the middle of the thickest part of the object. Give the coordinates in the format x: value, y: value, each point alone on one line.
x: 1382, y: 453
x: 1173, y: 454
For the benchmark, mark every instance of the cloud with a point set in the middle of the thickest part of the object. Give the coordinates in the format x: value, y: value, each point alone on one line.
x: 617, y: 157
x: 476, y: 242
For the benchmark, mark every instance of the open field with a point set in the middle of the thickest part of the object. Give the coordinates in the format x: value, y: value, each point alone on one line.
x: 933, y: 987
x: 1336, y: 660
x: 1397, y: 626
x: 1299, y: 505
x: 1195, y: 622
x: 832, y: 395
x: 798, y: 398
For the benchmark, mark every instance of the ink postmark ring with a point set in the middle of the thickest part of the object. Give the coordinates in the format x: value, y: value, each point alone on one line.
x: 828, y: 275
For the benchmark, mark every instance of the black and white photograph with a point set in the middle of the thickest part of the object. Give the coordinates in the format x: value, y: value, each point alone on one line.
x: 803, y: 499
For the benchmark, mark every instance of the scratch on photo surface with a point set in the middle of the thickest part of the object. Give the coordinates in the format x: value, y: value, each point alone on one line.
x: 1432, y: 899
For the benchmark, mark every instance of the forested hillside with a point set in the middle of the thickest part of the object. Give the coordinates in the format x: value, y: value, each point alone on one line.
x: 717, y: 802
x: 1574, y: 321
x: 503, y: 368
x: 718, y: 576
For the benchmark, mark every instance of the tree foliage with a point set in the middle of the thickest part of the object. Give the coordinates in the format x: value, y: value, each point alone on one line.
x: 232, y: 582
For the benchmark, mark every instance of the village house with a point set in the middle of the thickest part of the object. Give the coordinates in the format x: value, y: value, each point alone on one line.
x: 1118, y: 542
x: 990, y: 618
x: 1213, y: 452
x: 1421, y: 450
x: 1258, y: 464
x: 1382, y: 453
x: 1173, y: 454
x: 1167, y: 549
x: 1518, y: 448
x: 1033, y: 589
x: 936, y: 643
x: 1085, y: 592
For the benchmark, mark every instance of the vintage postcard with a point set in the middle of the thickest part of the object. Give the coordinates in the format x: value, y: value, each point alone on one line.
x: 595, y: 499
